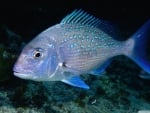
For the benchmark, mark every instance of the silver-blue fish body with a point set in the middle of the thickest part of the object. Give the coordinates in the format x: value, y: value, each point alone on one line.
x: 83, y: 48
x: 76, y: 46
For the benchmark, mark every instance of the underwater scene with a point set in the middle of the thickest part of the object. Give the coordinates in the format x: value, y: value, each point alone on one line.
x: 73, y: 56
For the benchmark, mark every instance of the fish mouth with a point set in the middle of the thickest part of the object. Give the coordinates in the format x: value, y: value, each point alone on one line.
x: 21, y: 75
x: 26, y: 76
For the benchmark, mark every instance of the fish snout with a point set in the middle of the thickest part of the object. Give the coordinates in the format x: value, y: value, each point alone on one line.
x: 18, y: 71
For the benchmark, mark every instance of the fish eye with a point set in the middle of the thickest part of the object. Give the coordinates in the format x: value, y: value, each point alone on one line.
x: 38, y: 53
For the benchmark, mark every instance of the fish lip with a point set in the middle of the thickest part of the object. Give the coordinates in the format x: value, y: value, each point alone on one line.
x: 26, y: 76
x: 21, y: 75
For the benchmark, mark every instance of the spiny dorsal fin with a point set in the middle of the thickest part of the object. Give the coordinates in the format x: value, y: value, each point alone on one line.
x: 81, y: 17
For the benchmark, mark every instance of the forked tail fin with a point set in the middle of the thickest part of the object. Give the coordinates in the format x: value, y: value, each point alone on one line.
x: 139, y: 54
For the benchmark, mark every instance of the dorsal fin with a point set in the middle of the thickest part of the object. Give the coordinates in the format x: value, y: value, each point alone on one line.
x: 83, y: 18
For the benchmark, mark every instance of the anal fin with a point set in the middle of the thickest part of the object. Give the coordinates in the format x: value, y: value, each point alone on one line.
x: 101, y: 69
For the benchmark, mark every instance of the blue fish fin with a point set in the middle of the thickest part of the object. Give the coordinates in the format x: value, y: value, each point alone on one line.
x: 139, y: 54
x: 76, y: 81
x: 101, y: 69
x: 81, y: 17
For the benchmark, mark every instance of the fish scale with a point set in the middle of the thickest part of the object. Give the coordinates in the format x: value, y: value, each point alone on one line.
x: 85, y: 46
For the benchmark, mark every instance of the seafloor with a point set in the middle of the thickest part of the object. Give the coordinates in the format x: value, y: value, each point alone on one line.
x: 118, y: 90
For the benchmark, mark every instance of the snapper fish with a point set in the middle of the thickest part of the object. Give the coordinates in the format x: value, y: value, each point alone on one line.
x: 79, y: 44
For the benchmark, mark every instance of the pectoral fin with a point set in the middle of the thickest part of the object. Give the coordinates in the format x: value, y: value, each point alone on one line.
x: 101, y: 69
x: 76, y: 81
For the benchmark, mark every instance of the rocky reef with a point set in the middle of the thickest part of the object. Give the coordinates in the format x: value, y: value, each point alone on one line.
x: 105, y: 96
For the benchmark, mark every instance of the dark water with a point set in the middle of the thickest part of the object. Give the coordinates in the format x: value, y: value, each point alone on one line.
x: 120, y: 90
